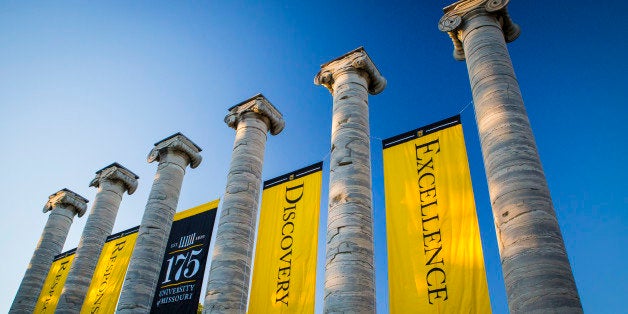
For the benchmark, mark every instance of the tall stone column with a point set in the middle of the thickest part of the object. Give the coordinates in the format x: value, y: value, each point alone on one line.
x: 111, y: 181
x: 536, y: 270
x: 62, y: 206
x: 349, y: 265
x: 228, y: 283
x: 174, y: 154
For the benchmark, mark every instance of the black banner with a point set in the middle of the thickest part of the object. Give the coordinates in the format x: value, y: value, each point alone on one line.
x: 181, y: 277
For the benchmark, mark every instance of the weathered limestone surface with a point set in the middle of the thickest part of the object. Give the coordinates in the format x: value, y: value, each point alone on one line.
x: 62, y: 206
x: 111, y: 181
x: 349, y: 267
x: 228, y: 283
x: 537, y: 273
x: 174, y: 154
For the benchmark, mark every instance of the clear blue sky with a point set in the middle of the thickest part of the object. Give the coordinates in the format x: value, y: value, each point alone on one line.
x: 84, y: 84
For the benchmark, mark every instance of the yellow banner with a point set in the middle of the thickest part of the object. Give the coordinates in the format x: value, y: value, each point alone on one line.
x: 50, y: 293
x: 104, y: 290
x: 284, y: 275
x: 435, y: 261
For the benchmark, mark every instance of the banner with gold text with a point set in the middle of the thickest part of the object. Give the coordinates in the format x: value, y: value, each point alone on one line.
x: 51, y: 291
x: 435, y: 260
x: 104, y: 289
x: 181, y: 277
x: 284, y: 274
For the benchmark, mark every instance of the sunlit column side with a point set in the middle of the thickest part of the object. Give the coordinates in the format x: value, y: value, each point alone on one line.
x: 349, y: 266
x: 174, y: 154
x: 62, y: 206
x: 228, y: 283
x: 537, y: 273
x: 111, y: 181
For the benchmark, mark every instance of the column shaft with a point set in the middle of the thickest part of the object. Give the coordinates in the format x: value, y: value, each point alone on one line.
x: 62, y: 205
x: 536, y: 270
x: 143, y: 272
x: 98, y: 226
x: 349, y: 268
x: 230, y: 270
x: 349, y: 265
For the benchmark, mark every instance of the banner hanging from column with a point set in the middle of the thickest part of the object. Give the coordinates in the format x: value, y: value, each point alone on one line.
x: 284, y: 274
x: 181, y: 277
x: 104, y: 289
x: 435, y: 260
x: 51, y: 291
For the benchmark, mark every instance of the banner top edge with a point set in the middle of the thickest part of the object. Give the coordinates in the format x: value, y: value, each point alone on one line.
x: 64, y: 254
x: 421, y: 131
x: 122, y: 233
x: 196, y: 210
x: 294, y: 175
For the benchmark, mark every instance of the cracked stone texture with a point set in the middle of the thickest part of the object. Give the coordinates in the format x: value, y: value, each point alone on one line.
x: 112, y: 181
x: 230, y: 270
x: 536, y: 270
x: 62, y: 206
x: 349, y: 266
x: 174, y: 154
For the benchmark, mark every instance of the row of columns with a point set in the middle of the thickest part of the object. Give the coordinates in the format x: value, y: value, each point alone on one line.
x: 537, y: 273
x: 536, y: 270
x: 252, y: 119
x: 174, y: 154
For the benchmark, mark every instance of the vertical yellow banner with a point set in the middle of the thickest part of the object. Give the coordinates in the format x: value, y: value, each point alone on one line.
x: 104, y: 290
x: 284, y: 274
x: 435, y: 261
x: 50, y: 293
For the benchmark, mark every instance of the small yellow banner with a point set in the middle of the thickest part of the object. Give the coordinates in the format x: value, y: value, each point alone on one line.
x: 435, y: 260
x: 50, y: 293
x: 284, y: 275
x: 104, y: 290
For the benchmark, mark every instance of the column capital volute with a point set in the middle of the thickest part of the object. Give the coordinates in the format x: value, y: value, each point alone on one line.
x: 461, y: 11
x: 356, y: 60
x: 260, y: 105
x: 177, y: 142
x: 67, y: 197
x: 116, y: 172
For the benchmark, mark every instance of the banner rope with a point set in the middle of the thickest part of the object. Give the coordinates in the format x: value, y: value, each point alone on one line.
x: 372, y: 137
x: 327, y: 155
x: 467, y: 106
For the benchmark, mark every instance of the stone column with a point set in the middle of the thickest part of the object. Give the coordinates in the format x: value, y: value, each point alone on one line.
x: 537, y: 273
x: 62, y: 206
x: 174, y: 154
x: 228, y: 283
x: 111, y: 181
x: 349, y: 265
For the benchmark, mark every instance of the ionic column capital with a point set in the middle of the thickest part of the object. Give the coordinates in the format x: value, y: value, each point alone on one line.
x: 460, y: 12
x: 177, y: 142
x: 116, y: 172
x: 260, y: 105
x: 357, y: 60
x: 67, y: 197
